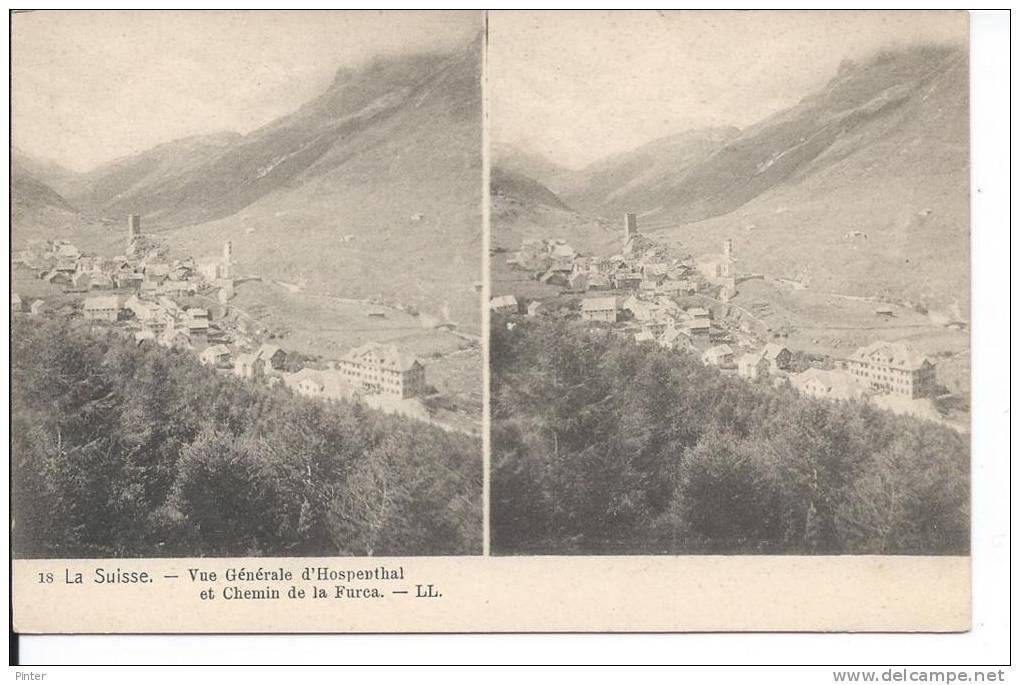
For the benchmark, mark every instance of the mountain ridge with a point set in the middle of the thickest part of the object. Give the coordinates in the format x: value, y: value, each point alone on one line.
x: 861, y: 187
x: 371, y: 189
x: 764, y: 155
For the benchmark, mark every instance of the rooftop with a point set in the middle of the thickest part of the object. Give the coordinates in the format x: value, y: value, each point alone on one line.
x: 102, y: 302
x: 592, y: 304
x: 898, y: 355
x: 389, y: 355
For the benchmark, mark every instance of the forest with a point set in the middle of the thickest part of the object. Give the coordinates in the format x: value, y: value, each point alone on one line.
x: 604, y: 446
x: 121, y: 450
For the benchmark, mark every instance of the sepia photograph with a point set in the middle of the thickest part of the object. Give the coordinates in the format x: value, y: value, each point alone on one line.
x: 454, y: 322
x: 246, y: 280
x: 730, y: 283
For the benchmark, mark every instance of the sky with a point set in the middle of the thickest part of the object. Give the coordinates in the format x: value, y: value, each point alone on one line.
x: 90, y: 87
x: 578, y: 86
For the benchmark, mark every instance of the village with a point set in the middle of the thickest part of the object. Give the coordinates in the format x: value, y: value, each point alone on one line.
x: 178, y: 303
x: 654, y: 296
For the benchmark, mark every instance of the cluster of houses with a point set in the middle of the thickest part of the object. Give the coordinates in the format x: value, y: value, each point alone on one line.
x: 891, y: 374
x: 146, y: 293
x: 372, y: 369
x: 144, y: 270
x: 643, y: 265
x: 887, y: 373
x: 60, y: 263
x: 653, y: 277
x: 35, y: 307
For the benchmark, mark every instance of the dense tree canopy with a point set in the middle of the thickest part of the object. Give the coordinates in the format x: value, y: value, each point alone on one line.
x: 119, y: 450
x: 602, y: 446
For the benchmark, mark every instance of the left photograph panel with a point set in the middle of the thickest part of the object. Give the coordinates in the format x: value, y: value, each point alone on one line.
x: 245, y: 284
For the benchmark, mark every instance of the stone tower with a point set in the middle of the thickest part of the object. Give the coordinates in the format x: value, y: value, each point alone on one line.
x: 227, y: 261
x: 134, y: 228
x: 726, y: 267
x: 630, y: 228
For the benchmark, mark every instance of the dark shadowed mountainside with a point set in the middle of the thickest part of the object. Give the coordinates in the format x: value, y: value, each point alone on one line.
x: 33, y: 201
x: 646, y: 176
x: 130, y: 184
x: 875, y: 200
x: 382, y: 197
x: 56, y: 176
x: 529, y: 164
x: 511, y: 184
x: 524, y: 209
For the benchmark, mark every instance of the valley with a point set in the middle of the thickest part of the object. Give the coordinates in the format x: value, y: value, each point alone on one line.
x: 370, y: 190
x: 859, y: 189
x: 842, y: 220
x: 354, y: 220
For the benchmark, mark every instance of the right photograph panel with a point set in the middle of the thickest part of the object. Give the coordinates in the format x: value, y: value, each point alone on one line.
x: 730, y: 283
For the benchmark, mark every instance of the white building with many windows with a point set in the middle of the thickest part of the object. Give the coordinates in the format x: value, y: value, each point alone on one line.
x: 892, y: 368
x: 377, y: 368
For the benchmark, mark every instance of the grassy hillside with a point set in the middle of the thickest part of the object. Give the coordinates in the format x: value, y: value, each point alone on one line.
x: 46, y: 171
x: 895, y: 96
x: 901, y: 178
x: 514, y: 221
x: 529, y: 164
x: 406, y: 186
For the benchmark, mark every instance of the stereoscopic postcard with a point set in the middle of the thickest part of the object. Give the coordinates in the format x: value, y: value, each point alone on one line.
x: 435, y: 321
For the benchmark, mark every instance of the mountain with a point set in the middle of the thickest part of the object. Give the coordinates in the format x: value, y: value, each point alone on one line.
x: 515, y: 185
x: 45, y: 171
x: 34, y: 202
x: 371, y: 189
x: 521, y: 209
x: 871, y: 197
x: 861, y: 188
x: 700, y: 174
x: 205, y: 178
x: 645, y: 177
x: 129, y: 184
x: 528, y: 164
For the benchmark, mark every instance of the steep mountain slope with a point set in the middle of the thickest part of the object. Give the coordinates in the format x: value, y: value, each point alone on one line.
x: 883, y: 208
x: 862, y: 105
x: 861, y: 188
x: 33, y: 202
x: 528, y: 164
x: 512, y: 184
x: 210, y: 177
x: 46, y: 171
x: 371, y: 190
x: 127, y: 185
x: 523, y: 209
x: 645, y: 177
